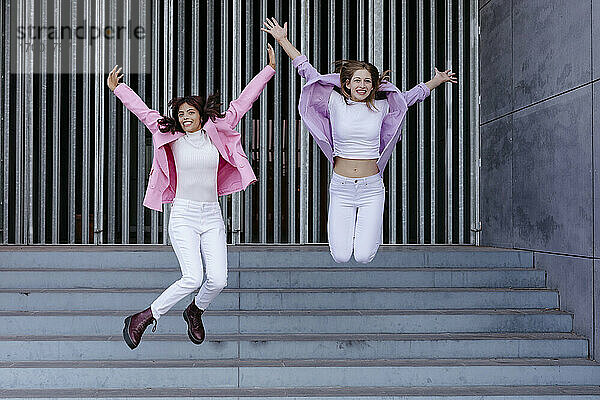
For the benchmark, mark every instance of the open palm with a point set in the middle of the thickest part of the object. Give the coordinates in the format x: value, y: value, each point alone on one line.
x: 446, y: 76
x: 277, y: 31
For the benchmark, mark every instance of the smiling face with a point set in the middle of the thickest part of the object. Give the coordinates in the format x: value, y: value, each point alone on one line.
x: 360, y: 85
x: 189, y: 118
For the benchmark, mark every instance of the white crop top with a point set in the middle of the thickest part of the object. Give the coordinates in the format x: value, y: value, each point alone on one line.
x: 355, y: 128
x: 197, y: 161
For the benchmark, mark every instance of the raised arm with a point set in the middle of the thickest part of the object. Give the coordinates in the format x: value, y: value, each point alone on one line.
x: 300, y: 62
x: 241, y: 105
x: 132, y: 101
x: 441, y: 77
x: 279, y: 33
x: 422, y: 90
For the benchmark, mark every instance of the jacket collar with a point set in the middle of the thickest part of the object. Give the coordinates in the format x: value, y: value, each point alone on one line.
x: 211, y: 131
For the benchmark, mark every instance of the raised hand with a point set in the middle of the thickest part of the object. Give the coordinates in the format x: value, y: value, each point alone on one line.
x: 445, y: 76
x: 271, y: 53
x: 274, y: 29
x: 113, y: 78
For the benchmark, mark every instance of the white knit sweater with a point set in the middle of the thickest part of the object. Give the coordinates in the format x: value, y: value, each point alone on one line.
x: 197, y: 161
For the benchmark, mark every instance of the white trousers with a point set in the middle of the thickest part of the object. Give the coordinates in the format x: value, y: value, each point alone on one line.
x: 198, y: 236
x: 355, y: 221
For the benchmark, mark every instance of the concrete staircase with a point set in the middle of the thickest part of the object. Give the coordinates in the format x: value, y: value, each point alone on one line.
x: 431, y: 322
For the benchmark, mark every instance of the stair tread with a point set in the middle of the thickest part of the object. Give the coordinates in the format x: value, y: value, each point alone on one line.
x: 313, y: 337
x: 277, y: 290
x: 311, y: 363
x: 308, y: 392
x: 327, y: 312
x: 350, y: 268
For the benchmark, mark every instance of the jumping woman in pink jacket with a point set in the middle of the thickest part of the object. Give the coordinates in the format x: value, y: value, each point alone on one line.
x: 355, y: 117
x: 197, y: 156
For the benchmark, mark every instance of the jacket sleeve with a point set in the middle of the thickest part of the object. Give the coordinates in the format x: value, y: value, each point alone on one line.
x: 305, y: 69
x: 136, y: 105
x: 241, y: 105
x: 416, y: 94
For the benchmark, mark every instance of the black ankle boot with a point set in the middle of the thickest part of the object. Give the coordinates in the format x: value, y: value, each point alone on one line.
x: 135, y: 325
x: 193, y: 316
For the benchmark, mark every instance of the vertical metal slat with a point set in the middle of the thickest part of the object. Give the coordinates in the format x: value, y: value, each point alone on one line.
x: 72, y: 129
x: 263, y: 177
x: 6, y: 119
x: 421, y: 125
x: 85, y: 134
x: 277, y: 134
x: 225, y: 81
x: 168, y: 91
x: 112, y: 135
x: 100, y: 87
x: 305, y: 30
x: 126, y: 135
x: 155, y: 59
x: 248, y: 121
x: 393, y: 164
x: 292, y: 130
x: 141, y: 131
x: 236, y: 76
x: 43, y: 88
x: 432, y: 100
x: 461, y: 125
x: 345, y: 32
x: 360, y: 33
x: 405, y: 176
x: 474, y: 119
x: 28, y: 130
x: 449, y: 155
x: 18, y: 216
x: 316, y: 152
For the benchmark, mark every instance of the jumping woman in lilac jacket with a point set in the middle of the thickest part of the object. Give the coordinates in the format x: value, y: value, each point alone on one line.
x: 197, y: 156
x: 356, y: 117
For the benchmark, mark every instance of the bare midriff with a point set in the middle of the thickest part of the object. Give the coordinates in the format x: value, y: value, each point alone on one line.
x: 355, y: 168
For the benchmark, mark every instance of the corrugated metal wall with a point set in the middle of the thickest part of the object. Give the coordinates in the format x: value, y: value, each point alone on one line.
x: 75, y: 162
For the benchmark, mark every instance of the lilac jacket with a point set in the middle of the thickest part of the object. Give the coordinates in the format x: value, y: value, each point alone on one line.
x: 315, y: 114
x: 234, y: 171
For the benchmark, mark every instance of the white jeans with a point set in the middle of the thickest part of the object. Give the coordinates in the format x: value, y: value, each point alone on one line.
x: 197, y: 233
x: 355, y: 219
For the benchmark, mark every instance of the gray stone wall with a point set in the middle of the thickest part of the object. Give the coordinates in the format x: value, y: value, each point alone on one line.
x: 540, y: 143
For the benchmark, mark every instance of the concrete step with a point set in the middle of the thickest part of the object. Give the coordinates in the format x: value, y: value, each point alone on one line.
x: 296, y: 346
x: 323, y: 393
x: 110, y: 322
x: 296, y: 373
x: 377, y: 277
x: 263, y: 256
x: 284, y: 299
x: 395, y: 256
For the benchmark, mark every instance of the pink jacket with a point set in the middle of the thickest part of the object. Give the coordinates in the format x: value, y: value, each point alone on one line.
x: 234, y: 173
x: 315, y: 114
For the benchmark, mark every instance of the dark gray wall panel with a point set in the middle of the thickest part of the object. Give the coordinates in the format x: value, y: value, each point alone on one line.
x: 573, y: 278
x: 496, y: 177
x: 551, y: 48
x: 495, y: 44
x: 483, y: 3
x: 552, y: 175
x: 596, y: 38
x: 596, y: 338
x: 596, y: 139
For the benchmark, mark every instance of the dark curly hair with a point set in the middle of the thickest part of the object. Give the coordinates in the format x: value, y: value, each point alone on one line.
x: 208, y: 109
x: 347, y: 68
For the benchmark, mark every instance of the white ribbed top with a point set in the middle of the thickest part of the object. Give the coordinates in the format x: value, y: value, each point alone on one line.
x: 197, y: 161
x: 355, y: 128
